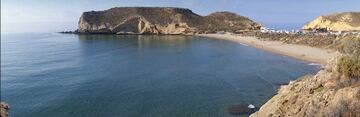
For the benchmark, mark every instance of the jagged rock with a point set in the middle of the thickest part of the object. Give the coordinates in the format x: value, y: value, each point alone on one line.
x: 241, y: 110
x: 327, y: 94
x: 5, y: 109
x: 349, y: 21
x: 160, y: 20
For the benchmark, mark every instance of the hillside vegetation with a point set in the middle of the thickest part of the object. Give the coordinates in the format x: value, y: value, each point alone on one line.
x: 349, y: 64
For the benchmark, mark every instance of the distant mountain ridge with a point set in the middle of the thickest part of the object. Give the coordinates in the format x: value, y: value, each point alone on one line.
x: 347, y: 21
x: 160, y: 20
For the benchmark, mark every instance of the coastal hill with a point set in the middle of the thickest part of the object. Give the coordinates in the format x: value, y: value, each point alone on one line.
x: 160, y: 20
x: 348, y: 21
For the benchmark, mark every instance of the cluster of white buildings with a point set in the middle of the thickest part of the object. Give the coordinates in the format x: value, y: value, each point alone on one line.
x: 273, y: 30
x: 322, y: 32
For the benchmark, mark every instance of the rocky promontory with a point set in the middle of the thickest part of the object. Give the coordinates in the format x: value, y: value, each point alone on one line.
x: 348, y: 21
x: 160, y: 20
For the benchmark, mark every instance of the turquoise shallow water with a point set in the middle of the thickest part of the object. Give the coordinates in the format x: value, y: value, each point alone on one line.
x: 59, y: 75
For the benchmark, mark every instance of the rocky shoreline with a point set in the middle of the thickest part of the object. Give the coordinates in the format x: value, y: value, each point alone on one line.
x: 326, y: 94
x: 5, y: 109
x: 334, y: 91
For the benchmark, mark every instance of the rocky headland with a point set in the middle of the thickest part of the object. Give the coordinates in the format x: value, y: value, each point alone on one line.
x: 348, y: 21
x: 160, y: 20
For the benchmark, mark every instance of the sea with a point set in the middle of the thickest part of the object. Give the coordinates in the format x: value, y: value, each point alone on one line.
x: 68, y: 75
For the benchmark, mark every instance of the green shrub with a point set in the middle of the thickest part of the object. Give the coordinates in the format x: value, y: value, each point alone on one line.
x: 350, y: 46
x: 349, y: 65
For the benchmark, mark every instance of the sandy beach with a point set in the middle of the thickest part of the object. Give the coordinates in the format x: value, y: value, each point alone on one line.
x: 307, y: 53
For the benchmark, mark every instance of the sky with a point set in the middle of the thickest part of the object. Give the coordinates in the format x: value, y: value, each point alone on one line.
x: 271, y: 13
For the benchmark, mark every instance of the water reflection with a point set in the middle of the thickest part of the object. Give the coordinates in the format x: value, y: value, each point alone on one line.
x: 142, y: 42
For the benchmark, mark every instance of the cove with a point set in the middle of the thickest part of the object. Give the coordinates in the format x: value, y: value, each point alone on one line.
x: 53, y: 74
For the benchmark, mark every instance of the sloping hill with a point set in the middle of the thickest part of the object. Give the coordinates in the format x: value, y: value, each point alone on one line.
x: 160, y: 20
x: 348, y: 21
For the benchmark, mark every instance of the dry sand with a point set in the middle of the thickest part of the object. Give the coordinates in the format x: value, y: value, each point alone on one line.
x: 307, y: 53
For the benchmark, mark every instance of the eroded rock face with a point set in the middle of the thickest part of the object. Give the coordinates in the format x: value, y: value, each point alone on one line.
x: 327, y: 94
x: 4, y: 109
x: 160, y: 20
x: 349, y: 21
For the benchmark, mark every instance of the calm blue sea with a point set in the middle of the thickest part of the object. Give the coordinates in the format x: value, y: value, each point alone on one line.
x: 66, y: 75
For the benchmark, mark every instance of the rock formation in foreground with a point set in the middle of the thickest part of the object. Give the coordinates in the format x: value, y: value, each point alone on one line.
x: 4, y: 109
x: 348, y: 21
x: 160, y: 20
x: 332, y: 92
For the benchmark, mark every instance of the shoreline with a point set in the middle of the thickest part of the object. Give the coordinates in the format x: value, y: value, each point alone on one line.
x: 302, y: 52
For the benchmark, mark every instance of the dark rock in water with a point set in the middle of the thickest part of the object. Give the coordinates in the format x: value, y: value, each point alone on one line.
x: 241, y: 109
x: 77, y: 32
x: 281, y: 83
x: 4, y: 109
x: 68, y: 32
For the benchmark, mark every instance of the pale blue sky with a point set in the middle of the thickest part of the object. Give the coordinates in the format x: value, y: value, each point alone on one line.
x: 267, y: 12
